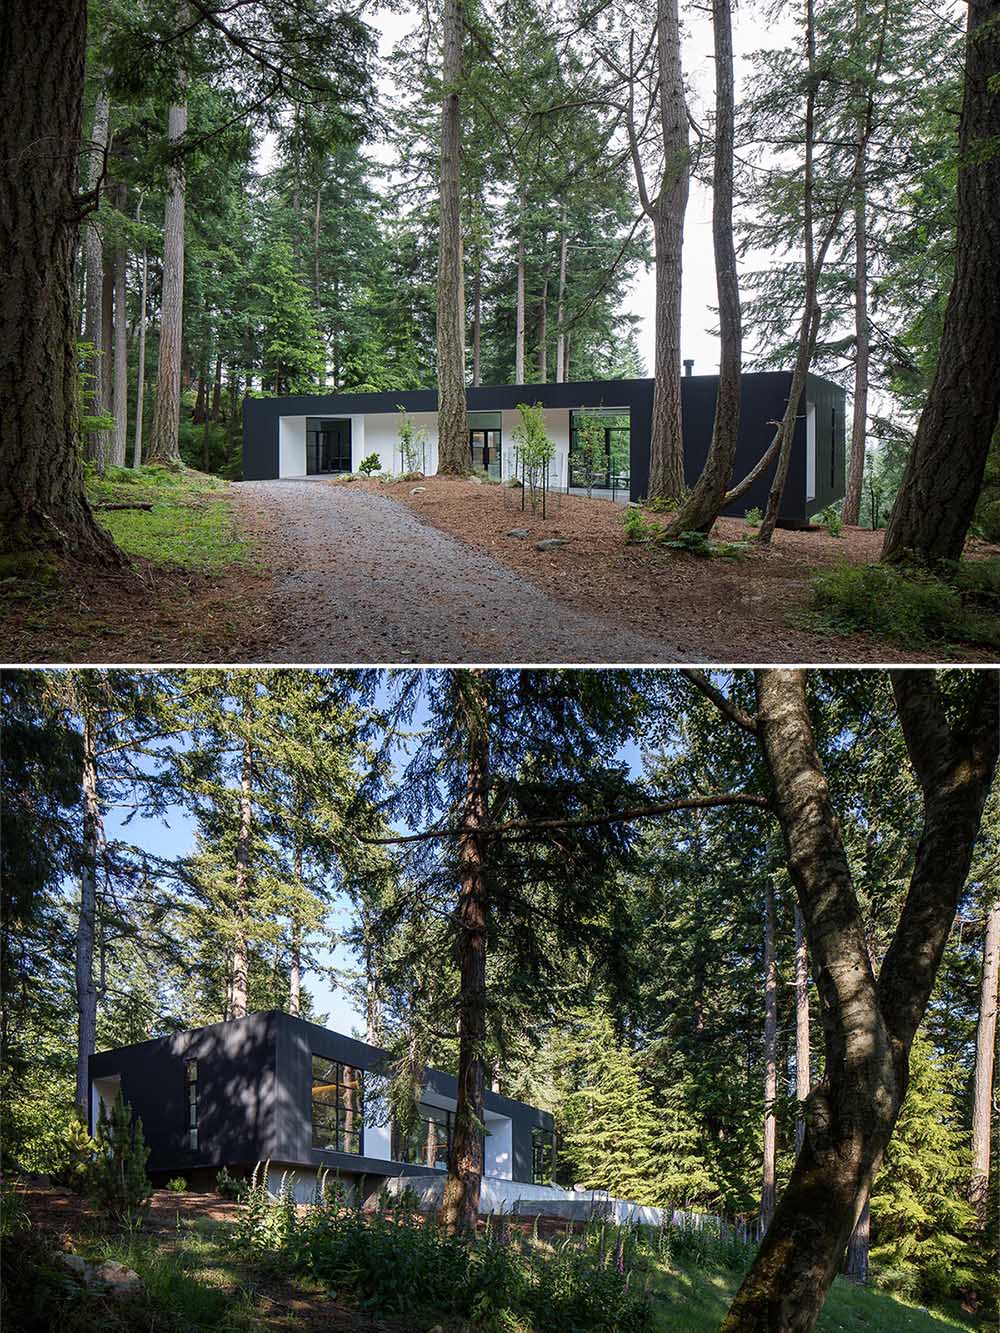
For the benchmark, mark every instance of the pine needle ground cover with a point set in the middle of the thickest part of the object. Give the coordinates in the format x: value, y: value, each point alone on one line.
x: 189, y: 526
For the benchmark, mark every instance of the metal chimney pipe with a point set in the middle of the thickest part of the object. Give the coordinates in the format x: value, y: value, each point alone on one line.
x: 688, y: 367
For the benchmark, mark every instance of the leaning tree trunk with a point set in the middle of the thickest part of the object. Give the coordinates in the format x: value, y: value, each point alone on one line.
x: 164, y: 444
x: 702, y: 507
x: 768, y: 1177
x: 986, y: 1034
x: 868, y: 1027
x: 453, y: 427
x: 944, y: 472
x: 42, y: 501
x: 460, y: 1206
x: 856, y: 1267
x: 120, y: 444
x: 666, y: 447
x: 86, y: 989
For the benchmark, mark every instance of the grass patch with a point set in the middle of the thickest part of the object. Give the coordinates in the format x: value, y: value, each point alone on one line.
x: 695, y: 1300
x: 911, y: 605
x: 189, y: 525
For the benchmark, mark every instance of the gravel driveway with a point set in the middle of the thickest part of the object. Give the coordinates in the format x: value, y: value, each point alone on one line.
x: 359, y: 578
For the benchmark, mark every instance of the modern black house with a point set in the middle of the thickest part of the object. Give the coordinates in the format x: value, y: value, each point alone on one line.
x: 277, y: 1088
x: 329, y: 434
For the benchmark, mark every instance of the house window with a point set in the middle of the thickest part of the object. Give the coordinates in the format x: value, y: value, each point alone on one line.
x: 337, y: 1106
x: 543, y: 1156
x: 484, y: 442
x: 428, y: 1141
x: 616, y: 426
x: 191, y: 1102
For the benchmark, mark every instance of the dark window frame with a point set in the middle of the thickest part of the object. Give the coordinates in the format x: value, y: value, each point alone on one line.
x: 491, y: 464
x: 611, y: 480
x: 316, y: 429
x: 191, y: 1103
x: 543, y: 1145
x: 399, y: 1148
x: 340, y: 1107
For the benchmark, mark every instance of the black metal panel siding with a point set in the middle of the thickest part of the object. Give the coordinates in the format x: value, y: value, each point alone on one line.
x: 762, y: 403
x: 235, y: 1092
x: 831, y: 409
x: 298, y: 1040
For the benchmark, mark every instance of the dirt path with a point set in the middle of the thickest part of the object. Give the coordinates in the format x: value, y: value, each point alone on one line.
x: 356, y: 577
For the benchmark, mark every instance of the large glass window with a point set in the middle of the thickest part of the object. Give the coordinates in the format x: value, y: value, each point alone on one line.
x: 191, y: 1102
x: 543, y: 1156
x: 337, y: 1106
x: 615, y: 426
x: 484, y: 441
x: 328, y: 446
x: 427, y: 1143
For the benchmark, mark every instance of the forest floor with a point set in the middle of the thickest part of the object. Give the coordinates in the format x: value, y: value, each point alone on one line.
x: 194, y: 1278
x: 753, y: 609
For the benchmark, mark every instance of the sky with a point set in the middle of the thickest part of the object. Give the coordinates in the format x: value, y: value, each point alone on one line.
x: 172, y: 835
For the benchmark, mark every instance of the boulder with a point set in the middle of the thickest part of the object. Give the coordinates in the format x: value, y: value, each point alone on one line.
x: 417, y: 490
x: 550, y: 543
x: 518, y: 532
x: 121, y: 1280
x: 74, y: 1263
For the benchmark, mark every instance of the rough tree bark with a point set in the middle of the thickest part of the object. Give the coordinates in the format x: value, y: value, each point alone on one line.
x: 86, y: 989
x: 561, y: 304
x: 543, y: 335
x: 666, y: 448
x: 803, y: 1076
x: 240, y: 981
x: 95, y: 321
x: 868, y: 1026
x: 477, y: 316
x: 42, y: 501
x: 703, y: 505
x: 453, y: 428
x: 119, y: 447
x: 986, y: 1035
x: 519, y: 317
x: 164, y: 446
x: 768, y: 1176
x: 140, y: 374
x: 944, y: 472
x: 460, y: 1206
x: 862, y: 338
x: 856, y: 1267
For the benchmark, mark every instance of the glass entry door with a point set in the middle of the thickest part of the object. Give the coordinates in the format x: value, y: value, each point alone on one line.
x: 485, y: 448
x: 328, y: 446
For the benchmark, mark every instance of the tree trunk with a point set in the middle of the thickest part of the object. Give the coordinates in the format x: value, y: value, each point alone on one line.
x: 317, y: 287
x: 164, y: 444
x: 704, y: 504
x: 460, y: 1207
x: 140, y: 375
x: 982, y: 1096
x: 241, y: 964
x: 944, y: 472
x: 201, y: 397
x: 216, y: 412
x: 519, y: 317
x: 42, y: 500
x: 768, y: 1178
x: 477, y: 316
x: 453, y: 428
x: 802, y: 1052
x: 543, y: 372
x: 666, y: 448
x: 856, y: 1267
x: 862, y: 339
x: 86, y: 990
x: 95, y: 322
x: 561, y: 307
x: 120, y: 447
x: 868, y: 1027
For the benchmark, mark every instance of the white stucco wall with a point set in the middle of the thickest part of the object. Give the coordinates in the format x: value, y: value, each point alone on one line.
x: 498, y: 1148
x: 381, y: 433
x: 103, y: 1090
x: 291, y: 446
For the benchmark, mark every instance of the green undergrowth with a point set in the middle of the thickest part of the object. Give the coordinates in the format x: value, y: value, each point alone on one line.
x: 189, y: 526
x: 639, y: 530
x: 960, y: 603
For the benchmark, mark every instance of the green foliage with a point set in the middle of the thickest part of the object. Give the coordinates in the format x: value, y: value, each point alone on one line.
x: 830, y: 519
x: 753, y: 517
x: 909, y: 604
x: 118, y: 1182
x: 292, y: 352
x: 177, y: 1185
x: 640, y: 530
x: 74, y: 1156
x: 412, y: 444
x: 370, y: 465
x: 395, y: 1263
x: 921, y: 1222
x: 533, y: 450
x: 230, y: 1187
x: 589, y: 459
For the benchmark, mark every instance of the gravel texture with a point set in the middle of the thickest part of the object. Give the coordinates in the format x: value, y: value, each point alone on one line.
x: 356, y: 577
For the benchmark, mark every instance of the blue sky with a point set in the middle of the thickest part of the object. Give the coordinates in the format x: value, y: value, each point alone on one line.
x: 172, y: 835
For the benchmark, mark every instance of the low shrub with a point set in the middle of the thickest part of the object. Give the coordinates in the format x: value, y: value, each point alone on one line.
x: 910, y: 604
x: 230, y: 1187
x: 370, y: 465
x: 177, y: 1185
x: 830, y: 519
x: 119, y: 1183
x: 639, y: 530
x: 753, y: 518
